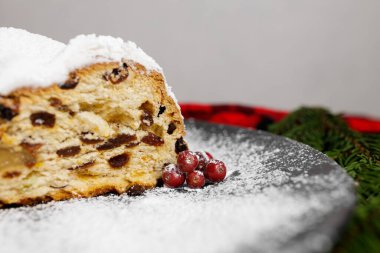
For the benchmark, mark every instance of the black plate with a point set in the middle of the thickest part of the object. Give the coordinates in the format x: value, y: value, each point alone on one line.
x: 279, y: 196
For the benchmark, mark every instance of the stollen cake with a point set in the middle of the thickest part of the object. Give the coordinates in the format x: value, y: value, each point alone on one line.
x: 83, y: 119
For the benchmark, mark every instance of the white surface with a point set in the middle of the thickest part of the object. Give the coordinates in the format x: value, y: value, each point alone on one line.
x: 35, y: 60
x: 281, y: 54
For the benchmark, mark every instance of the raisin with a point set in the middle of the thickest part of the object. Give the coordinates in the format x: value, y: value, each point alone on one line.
x: 69, y: 151
x: 57, y: 103
x: 28, y: 154
x: 30, y: 161
x: 171, y: 128
x: 152, y: 139
x: 30, y: 147
x: 161, y: 110
x: 117, y: 141
x: 146, y: 118
x: 119, y: 160
x: 6, y: 113
x: 42, y: 119
x: 11, y: 174
x: 70, y: 83
x: 90, y: 141
x: 136, y: 190
x: 65, y: 108
x: 180, y: 145
x: 30, y: 151
x: 117, y: 75
x: 160, y: 182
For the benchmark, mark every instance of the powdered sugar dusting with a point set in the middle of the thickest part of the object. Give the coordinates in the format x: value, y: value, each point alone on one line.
x: 277, y: 198
x: 28, y: 59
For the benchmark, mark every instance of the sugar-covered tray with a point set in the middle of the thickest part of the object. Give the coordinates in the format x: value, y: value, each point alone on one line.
x: 279, y: 196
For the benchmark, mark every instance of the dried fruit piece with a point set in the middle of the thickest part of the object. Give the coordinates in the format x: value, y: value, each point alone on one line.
x: 30, y: 147
x: 153, y: 140
x: 171, y: 128
x: 136, y: 190
x: 180, y: 145
x: 147, y: 113
x: 117, y: 75
x: 117, y: 141
x: 68, y: 151
x: 90, y: 138
x: 6, y: 113
x: 11, y: 158
x: 172, y: 176
x: 160, y: 182
x: 119, y: 160
x: 146, y: 118
x: 195, y: 179
x: 90, y: 141
x: 161, y: 110
x: 57, y: 103
x: 42, y: 119
x: 187, y: 161
x: 11, y: 174
x: 215, y: 171
x: 30, y: 151
x: 70, y: 83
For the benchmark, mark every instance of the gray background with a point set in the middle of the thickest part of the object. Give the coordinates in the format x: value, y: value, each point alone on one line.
x: 280, y: 54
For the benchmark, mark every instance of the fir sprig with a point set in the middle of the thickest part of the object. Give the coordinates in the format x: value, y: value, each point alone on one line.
x: 359, y: 154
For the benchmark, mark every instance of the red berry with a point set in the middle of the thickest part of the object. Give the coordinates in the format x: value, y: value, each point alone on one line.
x: 215, y: 171
x: 195, y: 179
x: 172, y: 177
x: 187, y: 161
x: 203, y: 159
x: 209, y: 155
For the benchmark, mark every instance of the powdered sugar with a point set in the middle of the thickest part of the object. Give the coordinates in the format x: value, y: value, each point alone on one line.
x: 28, y: 59
x: 278, y: 197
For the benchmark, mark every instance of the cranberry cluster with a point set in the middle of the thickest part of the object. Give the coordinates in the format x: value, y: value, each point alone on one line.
x: 194, y: 168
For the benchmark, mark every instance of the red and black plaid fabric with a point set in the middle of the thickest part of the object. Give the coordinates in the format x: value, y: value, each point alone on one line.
x: 260, y: 118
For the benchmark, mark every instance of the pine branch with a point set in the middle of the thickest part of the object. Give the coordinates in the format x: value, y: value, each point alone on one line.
x: 358, y: 153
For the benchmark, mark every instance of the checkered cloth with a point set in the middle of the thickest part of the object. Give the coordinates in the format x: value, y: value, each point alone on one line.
x: 260, y: 118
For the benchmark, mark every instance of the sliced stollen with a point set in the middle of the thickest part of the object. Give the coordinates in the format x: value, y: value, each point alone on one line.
x: 83, y: 119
